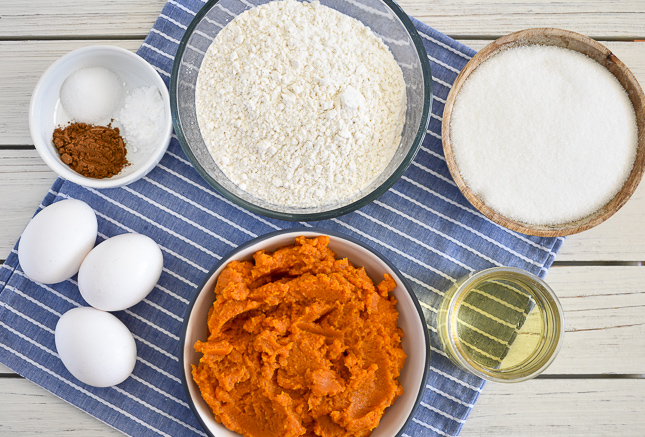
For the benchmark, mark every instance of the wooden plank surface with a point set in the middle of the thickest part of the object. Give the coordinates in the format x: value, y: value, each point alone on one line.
x: 478, y: 18
x: 28, y: 410
x: 74, y: 19
x: 24, y: 181
x: 559, y: 407
x: 605, y: 328
x: 482, y: 18
x: 540, y: 408
x: 621, y: 238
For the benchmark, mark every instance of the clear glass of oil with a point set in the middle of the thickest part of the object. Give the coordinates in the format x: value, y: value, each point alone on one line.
x: 502, y: 324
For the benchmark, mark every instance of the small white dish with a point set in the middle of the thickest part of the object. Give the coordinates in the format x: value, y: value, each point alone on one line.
x: 45, y: 110
x: 415, y: 343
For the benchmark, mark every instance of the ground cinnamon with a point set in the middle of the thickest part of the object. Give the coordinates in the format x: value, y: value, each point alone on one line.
x: 93, y: 151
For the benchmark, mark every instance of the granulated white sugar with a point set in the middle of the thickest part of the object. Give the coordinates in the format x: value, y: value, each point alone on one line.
x: 299, y: 104
x: 91, y: 95
x: 543, y: 134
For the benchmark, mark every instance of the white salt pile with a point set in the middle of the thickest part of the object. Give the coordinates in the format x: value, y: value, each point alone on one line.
x: 92, y: 95
x: 543, y: 135
x: 141, y: 118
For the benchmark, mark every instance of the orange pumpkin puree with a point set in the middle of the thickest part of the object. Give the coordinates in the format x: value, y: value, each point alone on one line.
x: 300, y: 344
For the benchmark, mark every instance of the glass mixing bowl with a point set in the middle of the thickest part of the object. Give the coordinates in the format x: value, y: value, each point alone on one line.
x: 385, y: 18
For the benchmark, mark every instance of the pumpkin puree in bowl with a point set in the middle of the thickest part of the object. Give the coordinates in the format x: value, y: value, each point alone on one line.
x: 300, y: 344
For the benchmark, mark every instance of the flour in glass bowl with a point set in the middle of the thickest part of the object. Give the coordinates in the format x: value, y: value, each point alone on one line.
x: 300, y: 105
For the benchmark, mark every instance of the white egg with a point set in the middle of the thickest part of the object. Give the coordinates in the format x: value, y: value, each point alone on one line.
x: 120, y: 272
x: 55, y: 242
x: 95, y: 346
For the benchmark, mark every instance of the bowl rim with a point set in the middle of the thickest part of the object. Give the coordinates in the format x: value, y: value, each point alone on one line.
x: 65, y: 171
x: 296, y: 232
x: 307, y: 216
x: 570, y: 40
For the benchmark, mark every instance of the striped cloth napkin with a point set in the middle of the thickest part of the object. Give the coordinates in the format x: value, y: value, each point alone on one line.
x: 422, y: 224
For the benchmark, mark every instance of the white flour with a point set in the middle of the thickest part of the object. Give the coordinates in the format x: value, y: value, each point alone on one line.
x: 299, y: 104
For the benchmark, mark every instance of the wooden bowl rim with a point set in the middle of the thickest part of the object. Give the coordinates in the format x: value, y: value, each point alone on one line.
x: 573, y: 41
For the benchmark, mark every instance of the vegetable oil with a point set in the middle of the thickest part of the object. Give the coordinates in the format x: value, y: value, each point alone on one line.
x: 502, y: 324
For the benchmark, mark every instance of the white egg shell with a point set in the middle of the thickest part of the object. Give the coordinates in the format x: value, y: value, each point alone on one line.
x: 95, y: 346
x: 55, y: 242
x: 120, y: 272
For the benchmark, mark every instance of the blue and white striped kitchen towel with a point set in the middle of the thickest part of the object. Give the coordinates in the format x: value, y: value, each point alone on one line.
x: 423, y: 225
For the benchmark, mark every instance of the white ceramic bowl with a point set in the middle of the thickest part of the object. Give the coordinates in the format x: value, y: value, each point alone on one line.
x: 415, y: 342
x: 45, y: 103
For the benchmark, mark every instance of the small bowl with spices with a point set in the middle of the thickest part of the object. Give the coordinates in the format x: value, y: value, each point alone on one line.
x: 100, y: 117
x: 544, y: 132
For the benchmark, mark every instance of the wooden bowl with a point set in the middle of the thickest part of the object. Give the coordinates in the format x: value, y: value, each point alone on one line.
x: 600, y: 54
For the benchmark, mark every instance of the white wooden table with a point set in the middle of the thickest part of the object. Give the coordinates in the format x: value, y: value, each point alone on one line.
x: 596, y: 385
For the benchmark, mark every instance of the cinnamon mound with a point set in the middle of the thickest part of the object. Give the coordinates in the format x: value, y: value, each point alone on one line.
x: 93, y: 151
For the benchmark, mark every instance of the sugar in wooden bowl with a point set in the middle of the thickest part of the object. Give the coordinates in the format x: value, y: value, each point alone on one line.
x: 544, y: 132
